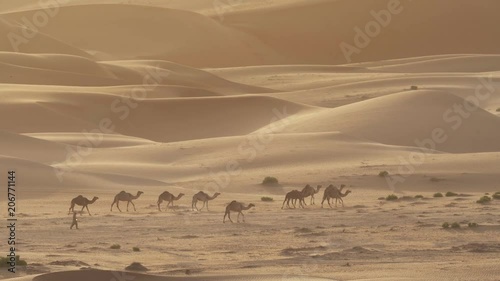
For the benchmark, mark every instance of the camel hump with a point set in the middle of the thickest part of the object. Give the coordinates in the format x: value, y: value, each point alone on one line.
x: 122, y: 192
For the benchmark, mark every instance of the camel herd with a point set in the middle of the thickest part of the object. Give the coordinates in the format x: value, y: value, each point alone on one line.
x: 331, y: 192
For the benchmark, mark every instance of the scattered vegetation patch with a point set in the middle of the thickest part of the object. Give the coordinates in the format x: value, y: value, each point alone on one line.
x: 455, y: 225
x: 419, y: 196
x: 383, y: 174
x: 446, y: 225
x: 483, y: 200
x: 496, y: 195
x: 414, y: 88
x: 391, y: 197
x: 267, y: 199
x: 136, y: 249
x: 4, y: 261
x: 115, y: 246
x: 439, y: 194
x: 434, y: 179
x: 472, y: 224
x: 270, y: 181
x: 451, y: 194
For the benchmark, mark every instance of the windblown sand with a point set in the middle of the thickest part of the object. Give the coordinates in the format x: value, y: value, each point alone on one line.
x: 227, y: 94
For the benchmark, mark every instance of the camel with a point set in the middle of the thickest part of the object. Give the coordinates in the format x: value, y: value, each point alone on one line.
x: 169, y: 197
x: 125, y: 196
x: 81, y: 201
x: 310, y: 191
x: 332, y: 192
x: 202, y: 196
x: 235, y: 206
x: 293, y: 195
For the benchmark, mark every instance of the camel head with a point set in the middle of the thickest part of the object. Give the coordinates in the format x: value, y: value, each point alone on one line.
x: 94, y: 199
x: 139, y: 193
x: 347, y: 192
x: 216, y: 194
x: 318, y: 187
x: 180, y: 195
x: 251, y: 205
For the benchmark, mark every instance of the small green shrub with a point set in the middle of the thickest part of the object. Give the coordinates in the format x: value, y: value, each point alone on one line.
x: 4, y: 261
x: 419, y: 196
x: 267, y: 199
x: 473, y: 224
x: 136, y: 249
x: 383, y: 174
x: 115, y: 246
x: 270, y: 181
x: 455, y: 225
x: 391, y: 197
x: 484, y: 200
x: 446, y: 225
x: 496, y: 195
x: 439, y: 194
x: 450, y: 194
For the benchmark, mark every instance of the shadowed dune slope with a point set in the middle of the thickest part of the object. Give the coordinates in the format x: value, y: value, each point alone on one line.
x: 162, y: 120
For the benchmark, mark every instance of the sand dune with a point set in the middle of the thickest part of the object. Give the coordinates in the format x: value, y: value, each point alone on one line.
x: 36, y: 42
x: 403, y: 123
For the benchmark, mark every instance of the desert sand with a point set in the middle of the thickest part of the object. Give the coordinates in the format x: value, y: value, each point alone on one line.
x: 97, y: 97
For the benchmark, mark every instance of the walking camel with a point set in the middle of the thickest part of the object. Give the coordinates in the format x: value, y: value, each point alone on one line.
x: 169, y: 197
x: 332, y: 192
x: 202, y: 196
x: 125, y: 196
x: 81, y: 201
x: 310, y: 191
x: 293, y: 195
x: 236, y: 206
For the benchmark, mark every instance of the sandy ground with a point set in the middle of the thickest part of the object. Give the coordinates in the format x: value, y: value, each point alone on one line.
x: 184, y: 96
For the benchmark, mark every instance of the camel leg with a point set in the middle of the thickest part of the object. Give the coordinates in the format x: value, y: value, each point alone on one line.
x: 283, y: 205
x: 322, y: 201
x: 133, y: 205
x: 238, y: 217
x: 207, y: 207
x: 71, y: 208
x: 87, y: 206
x: 118, y: 205
x: 342, y: 202
x: 158, y: 203
x: 242, y: 216
x: 112, y: 206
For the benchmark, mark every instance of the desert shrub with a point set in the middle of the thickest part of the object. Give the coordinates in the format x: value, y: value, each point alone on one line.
x: 4, y: 261
x: 383, y: 174
x: 446, y: 225
x: 266, y: 199
x: 391, y: 197
x: 115, y: 246
x: 473, y: 224
x: 414, y: 88
x: 455, y: 225
x: 496, y: 195
x: 484, y: 200
x: 450, y: 194
x: 438, y: 194
x: 419, y: 196
x: 270, y: 180
x: 136, y: 249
